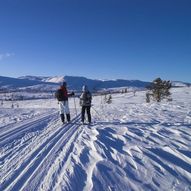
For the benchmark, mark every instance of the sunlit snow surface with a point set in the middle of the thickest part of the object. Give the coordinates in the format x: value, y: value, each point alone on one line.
x: 131, y: 145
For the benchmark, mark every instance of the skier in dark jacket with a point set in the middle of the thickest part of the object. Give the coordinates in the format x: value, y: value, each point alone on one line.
x: 85, y: 102
x: 62, y: 96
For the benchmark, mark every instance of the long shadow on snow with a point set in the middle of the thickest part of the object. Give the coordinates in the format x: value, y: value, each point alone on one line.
x: 79, y: 176
x: 172, y: 159
x: 166, y: 124
x: 154, y: 156
x: 109, y: 142
x: 109, y: 177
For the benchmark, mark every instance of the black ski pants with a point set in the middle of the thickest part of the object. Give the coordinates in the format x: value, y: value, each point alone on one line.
x: 87, y: 110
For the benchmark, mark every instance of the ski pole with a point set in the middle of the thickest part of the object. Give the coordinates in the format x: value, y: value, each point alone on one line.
x: 96, y: 112
x: 75, y: 106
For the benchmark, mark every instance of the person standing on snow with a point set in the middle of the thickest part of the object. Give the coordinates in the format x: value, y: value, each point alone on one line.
x: 62, y: 97
x: 85, y: 102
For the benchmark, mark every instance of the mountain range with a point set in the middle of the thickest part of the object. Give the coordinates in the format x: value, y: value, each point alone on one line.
x: 42, y: 83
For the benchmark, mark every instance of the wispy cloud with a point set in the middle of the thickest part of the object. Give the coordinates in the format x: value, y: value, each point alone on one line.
x: 6, y: 55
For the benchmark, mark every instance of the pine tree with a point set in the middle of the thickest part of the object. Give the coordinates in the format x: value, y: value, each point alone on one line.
x: 159, y: 89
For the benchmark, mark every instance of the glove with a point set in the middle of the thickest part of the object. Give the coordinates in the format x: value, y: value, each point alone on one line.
x: 72, y: 93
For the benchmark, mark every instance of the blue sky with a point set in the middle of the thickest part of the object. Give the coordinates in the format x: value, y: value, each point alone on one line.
x: 99, y: 39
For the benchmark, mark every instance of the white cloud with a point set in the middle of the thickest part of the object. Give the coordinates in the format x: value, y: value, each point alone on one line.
x: 6, y: 55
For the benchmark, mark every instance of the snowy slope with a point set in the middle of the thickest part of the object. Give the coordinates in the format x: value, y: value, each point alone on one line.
x: 55, y: 79
x: 180, y: 84
x: 8, y: 82
x: 24, y: 83
x: 132, y: 145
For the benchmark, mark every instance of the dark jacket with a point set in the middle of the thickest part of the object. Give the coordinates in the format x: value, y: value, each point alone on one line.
x: 63, y: 94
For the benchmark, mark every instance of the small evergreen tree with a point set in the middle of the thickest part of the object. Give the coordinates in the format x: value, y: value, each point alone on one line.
x: 159, y: 89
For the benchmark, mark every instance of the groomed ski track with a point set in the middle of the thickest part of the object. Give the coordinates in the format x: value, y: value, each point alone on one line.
x: 39, y: 143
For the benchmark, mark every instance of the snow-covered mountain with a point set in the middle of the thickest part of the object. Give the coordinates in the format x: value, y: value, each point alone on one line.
x: 77, y: 82
x: 40, y: 83
x: 55, y: 79
x: 9, y: 83
x: 180, y: 84
x: 74, y: 82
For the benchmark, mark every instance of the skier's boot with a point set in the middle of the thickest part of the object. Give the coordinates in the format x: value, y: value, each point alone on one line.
x: 68, y: 117
x: 62, y: 118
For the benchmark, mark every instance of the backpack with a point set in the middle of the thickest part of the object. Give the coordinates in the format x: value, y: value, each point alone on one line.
x: 59, y: 95
x: 85, y: 99
x: 88, y: 98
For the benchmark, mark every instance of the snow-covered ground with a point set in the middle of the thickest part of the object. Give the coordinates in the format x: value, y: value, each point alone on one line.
x: 131, y: 145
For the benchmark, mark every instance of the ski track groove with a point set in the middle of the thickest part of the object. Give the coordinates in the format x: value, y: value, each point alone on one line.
x: 24, y: 144
x: 25, y: 171
x: 67, y: 148
x: 8, y: 127
x: 22, y: 128
x: 64, y: 140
